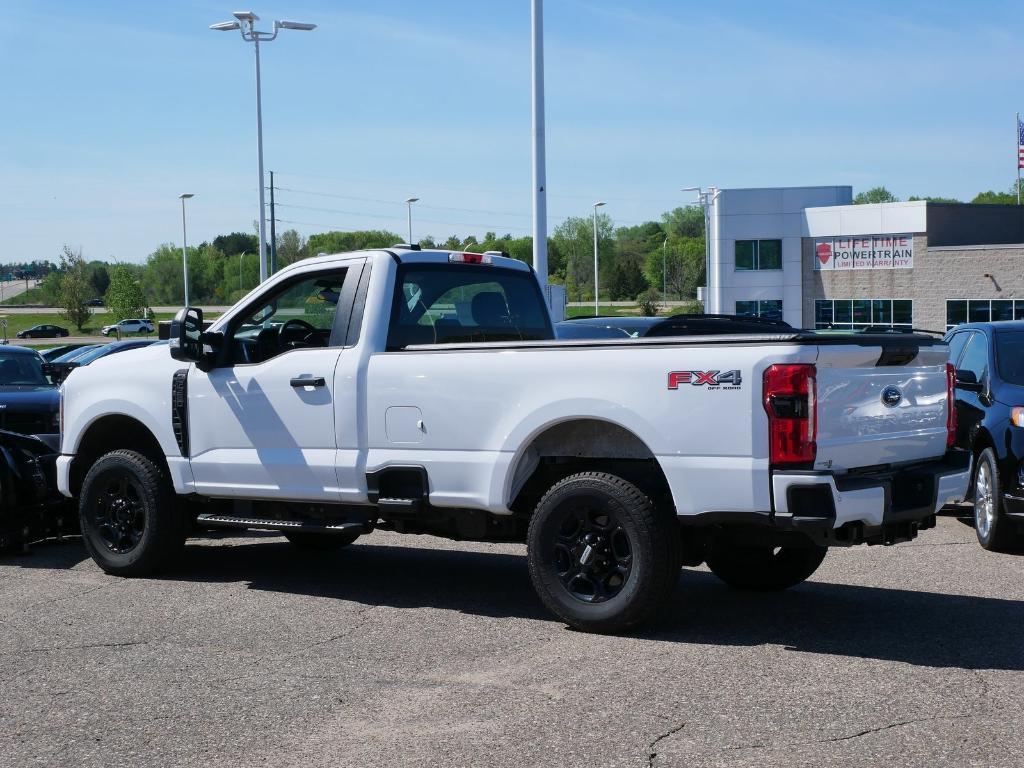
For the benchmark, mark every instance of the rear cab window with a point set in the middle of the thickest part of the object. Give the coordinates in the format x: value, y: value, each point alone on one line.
x: 459, y: 303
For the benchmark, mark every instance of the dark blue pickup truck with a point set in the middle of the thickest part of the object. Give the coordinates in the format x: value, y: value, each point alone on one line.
x: 989, y: 363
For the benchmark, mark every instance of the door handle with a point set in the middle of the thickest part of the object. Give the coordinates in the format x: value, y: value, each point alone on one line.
x: 308, y: 381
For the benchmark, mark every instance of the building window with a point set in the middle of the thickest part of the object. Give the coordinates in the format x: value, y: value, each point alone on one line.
x: 855, y: 314
x: 769, y: 308
x: 758, y: 254
x: 982, y: 311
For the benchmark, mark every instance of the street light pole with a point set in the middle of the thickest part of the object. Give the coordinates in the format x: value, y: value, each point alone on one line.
x: 184, y: 242
x: 408, y: 202
x: 597, y: 301
x: 246, y: 24
x: 706, y: 198
x: 664, y: 269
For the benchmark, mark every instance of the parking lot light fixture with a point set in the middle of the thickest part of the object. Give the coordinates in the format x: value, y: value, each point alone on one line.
x: 597, y: 301
x: 245, y: 23
x: 408, y: 202
x: 184, y: 244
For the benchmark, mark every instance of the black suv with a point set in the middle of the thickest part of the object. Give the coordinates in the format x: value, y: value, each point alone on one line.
x: 989, y: 363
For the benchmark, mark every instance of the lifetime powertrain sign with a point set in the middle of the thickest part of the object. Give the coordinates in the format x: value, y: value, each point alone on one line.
x: 865, y: 252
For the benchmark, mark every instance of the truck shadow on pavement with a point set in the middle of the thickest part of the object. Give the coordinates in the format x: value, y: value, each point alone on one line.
x: 927, y: 629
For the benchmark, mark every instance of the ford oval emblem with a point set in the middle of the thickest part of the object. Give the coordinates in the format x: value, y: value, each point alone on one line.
x: 891, y: 397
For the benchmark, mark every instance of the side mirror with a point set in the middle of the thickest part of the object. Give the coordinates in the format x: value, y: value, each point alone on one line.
x: 967, y: 380
x: 186, y: 328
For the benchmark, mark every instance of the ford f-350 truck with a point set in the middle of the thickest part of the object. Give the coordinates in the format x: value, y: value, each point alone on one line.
x: 423, y: 392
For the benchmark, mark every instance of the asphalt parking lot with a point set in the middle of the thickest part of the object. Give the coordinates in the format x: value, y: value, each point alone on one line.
x: 418, y: 651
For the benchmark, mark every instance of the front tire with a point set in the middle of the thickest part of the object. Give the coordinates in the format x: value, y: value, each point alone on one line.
x: 130, y: 525
x: 601, y: 556
x: 764, y: 568
x: 995, y: 533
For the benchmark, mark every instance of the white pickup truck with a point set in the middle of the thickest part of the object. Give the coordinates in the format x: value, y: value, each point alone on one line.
x: 422, y: 392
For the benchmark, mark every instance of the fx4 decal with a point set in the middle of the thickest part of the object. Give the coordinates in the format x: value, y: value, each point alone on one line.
x: 715, y: 379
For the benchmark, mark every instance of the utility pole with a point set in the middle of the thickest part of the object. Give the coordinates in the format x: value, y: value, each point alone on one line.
x: 273, y: 230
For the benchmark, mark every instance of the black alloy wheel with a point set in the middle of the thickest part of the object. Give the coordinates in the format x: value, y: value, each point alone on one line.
x: 592, y: 552
x: 119, y: 514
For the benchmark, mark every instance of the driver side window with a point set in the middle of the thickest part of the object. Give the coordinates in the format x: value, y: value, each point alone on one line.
x: 299, y: 315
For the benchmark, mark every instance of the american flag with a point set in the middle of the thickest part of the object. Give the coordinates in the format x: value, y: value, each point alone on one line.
x: 1020, y: 143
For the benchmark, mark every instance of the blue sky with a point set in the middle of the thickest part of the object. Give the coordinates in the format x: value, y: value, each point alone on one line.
x: 111, y: 109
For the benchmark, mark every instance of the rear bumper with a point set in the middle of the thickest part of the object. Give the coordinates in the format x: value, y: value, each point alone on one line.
x: 877, y: 508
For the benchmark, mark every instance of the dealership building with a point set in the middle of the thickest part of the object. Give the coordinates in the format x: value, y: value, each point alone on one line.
x: 811, y: 257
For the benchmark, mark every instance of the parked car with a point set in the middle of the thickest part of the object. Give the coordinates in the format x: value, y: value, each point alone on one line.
x: 424, y: 392
x: 138, y: 325
x: 29, y: 402
x: 674, y: 325
x: 70, y: 355
x: 989, y: 362
x: 94, y: 303
x: 59, y: 369
x: 51, y: 354
x: 43, y: 332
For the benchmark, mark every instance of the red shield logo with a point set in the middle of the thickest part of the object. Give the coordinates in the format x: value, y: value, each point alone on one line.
x: 824, y: 251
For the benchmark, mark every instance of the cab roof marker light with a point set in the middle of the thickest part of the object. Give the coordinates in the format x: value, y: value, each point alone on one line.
x: 470, y: 258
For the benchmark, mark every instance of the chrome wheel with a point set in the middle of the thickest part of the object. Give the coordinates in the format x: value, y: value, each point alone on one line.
x: 984, y: 501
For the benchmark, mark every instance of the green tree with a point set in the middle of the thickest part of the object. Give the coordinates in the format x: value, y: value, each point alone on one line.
x: 162, y: 276
x: 99, y: 277
x: 74, y: 287
x: 291, y: 247
x: 340, y: 242
x: 236, y: 243
x: 626, y: 280
x: 682, y: 260
x: 875, y: 195
x: 934, y: 199
x: 125, y: 296
x: 992, y: 197
x: 684, y: 222
x: 573, y: 243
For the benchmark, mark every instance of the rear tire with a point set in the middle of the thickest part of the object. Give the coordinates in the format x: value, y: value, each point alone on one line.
x: 129, y: 520
x: 320, y: 541
x: 994, y: 531
x: 601, y: 556
x: 764, y: 568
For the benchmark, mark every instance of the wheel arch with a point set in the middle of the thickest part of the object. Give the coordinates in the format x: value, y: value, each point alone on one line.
x: 111, y: 432
x: 564, y: 446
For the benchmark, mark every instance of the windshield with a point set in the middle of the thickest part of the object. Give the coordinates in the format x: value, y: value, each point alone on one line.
x: 74, y: 354
x: 1010, y: 356
x: 19, y: 369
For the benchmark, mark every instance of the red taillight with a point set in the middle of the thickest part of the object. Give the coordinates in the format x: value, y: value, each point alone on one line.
x: 789, y: 401
x: 950, y: 405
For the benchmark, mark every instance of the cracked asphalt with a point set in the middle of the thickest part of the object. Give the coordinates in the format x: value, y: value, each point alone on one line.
x: 414, y: 651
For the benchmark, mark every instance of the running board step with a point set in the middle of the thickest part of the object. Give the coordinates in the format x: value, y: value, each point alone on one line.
x: 396, y: 506
x: 231, y: 521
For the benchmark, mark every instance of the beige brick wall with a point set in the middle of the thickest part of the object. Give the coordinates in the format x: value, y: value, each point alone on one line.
x: 954, y: 273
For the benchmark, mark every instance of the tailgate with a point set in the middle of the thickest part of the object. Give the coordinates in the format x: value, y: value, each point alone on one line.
x: 880, y: 404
